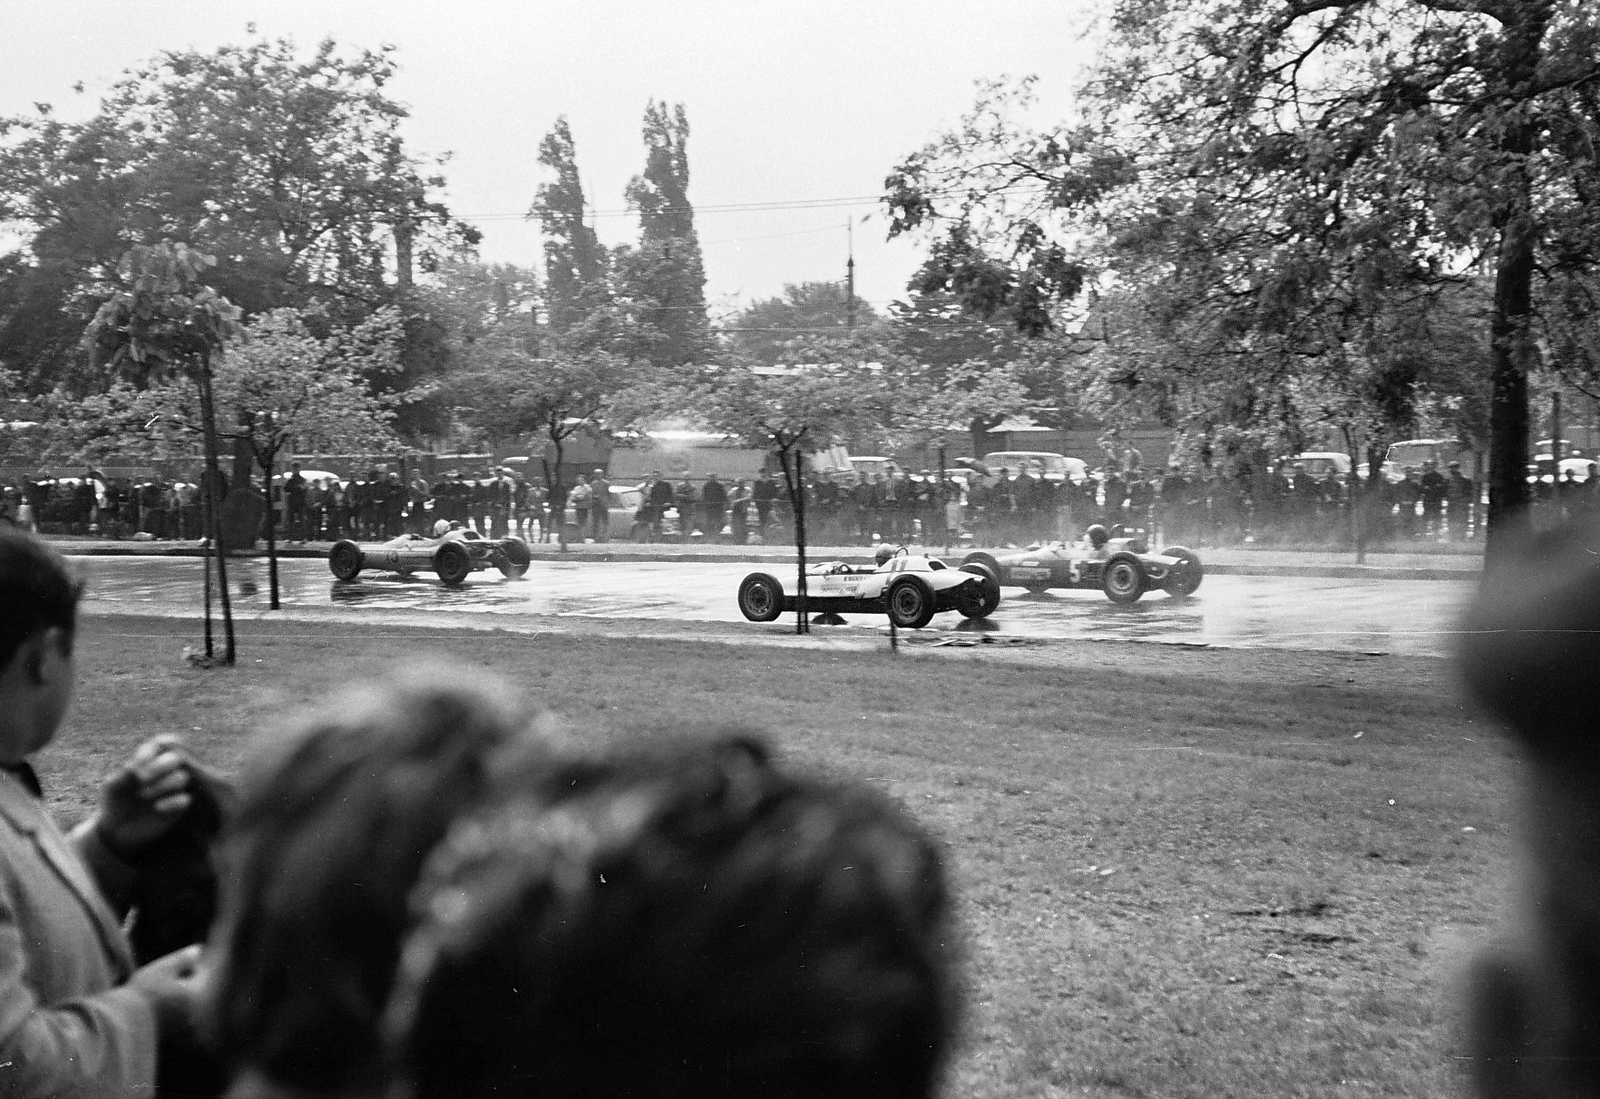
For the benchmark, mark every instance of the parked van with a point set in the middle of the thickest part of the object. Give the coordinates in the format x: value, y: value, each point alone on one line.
x: 1411, y: 453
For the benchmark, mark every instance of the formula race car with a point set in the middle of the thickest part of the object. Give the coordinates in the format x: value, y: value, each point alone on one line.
x: 454, y: 555
x: 1116, y: 561
x: 909, y: 589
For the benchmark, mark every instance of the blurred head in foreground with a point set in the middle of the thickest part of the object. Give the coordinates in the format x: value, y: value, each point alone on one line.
x: 1531, y: 654
x: 691, y: 920
x: 333, y: 827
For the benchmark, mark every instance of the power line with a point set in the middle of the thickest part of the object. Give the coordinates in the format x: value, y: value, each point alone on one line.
x: 758, y: 207
x: 716, y: 208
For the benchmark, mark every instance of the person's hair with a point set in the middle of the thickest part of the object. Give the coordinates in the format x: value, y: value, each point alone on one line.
x: 37, y: 591
x: 687, y: 921
x: 332, y: 829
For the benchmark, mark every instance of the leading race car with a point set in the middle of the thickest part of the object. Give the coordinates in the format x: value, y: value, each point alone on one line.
x: 454, y: 556
x: 909, y: 589
x: 1116, y: 561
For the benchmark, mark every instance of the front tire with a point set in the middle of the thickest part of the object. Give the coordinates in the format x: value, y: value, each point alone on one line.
x: 517, y: 557
x: 760, y: 597
x: 453, y: 564
x: 987, y: 593
x: 910, y: 603
x: 1122, y: 579
x: 344, y: 560
x: 1185, y: 583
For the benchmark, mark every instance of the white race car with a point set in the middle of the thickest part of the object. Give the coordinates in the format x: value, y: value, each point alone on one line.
x: 454, y: 556
x: 909, y: 589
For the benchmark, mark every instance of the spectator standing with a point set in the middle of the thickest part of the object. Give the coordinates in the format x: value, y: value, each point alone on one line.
x: 581, y: 498
x: 714, y: 505
x: 294, y: 495
x: 1433, y: 489
x: 739, y: 502
x: 684, y: 499
x: 658, y: 497
x: 600, y: 507
x: 763, y: 492
x: 1461, y: 495
x: 418, y: 494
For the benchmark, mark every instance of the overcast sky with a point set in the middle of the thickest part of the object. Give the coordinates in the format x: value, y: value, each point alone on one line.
x: 788, y: 103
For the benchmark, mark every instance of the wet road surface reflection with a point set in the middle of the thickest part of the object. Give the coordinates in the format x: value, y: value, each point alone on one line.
x: 1357, y: 615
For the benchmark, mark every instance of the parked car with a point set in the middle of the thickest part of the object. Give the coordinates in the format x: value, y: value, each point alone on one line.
x: 1041, y: 463
x: 909, y: 588
x: 453, y: 556
x: 1117, y: 561
x: 1318, y: 463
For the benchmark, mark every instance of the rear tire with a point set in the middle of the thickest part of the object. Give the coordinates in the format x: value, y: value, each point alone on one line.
x: 911, y: 603
x: 1122, y: 579
x: 760, y: 597
x: 1193, y: 573
x: 344, y: 560
x: 517, y: 557
x: 988, y: 592
x: 453, y: 564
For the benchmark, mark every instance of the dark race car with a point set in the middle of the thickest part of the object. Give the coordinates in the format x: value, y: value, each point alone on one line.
x: 1117, y: 562
x: 454, y: 556
x: 909, y: 589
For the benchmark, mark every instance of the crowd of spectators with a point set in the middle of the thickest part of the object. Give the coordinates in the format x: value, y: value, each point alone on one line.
x: 1007, y: 506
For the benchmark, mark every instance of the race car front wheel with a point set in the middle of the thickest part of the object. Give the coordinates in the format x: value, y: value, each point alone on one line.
x: 453, y: 564
x: 979, y: 600
x: 1122, y: 579
x: 910, y: 603
x: 344, y: 560
x: 516, y: 557
x: 1185, y: 580
x: 760, y: 597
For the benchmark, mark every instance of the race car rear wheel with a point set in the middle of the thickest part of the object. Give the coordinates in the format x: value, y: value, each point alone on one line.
x: 344, y: 560
x: 1185, y: 582
x: 979, y: 600
x: 453, y: 564
x: 987, y: 560
x: 1122, y: 579
x: 760, y: 597
x: 910, y: 603
x: 517, y: 558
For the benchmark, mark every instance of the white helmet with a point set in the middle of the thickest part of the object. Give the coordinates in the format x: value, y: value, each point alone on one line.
x: 441, y: 528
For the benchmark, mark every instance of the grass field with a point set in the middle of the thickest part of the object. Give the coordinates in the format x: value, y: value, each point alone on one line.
x: 1180, y: 872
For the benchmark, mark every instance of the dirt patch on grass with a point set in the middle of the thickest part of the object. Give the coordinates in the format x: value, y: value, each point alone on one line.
x: 1181, y: 871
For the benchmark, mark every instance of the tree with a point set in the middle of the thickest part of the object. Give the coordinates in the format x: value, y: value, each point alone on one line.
x: 766, y: 331
x: 162, y: 323
x: 1303, y: 169
x: 290, y: 170
x: 574, y: 260
x: 664, y: 277
x: 803, y: 409
x: 512, y: 390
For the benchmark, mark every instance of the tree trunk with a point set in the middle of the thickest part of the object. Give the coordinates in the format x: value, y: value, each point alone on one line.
x: 797, y: 507
x: 1511, y: 348
x: 558, y: 499
x: 213, y: 478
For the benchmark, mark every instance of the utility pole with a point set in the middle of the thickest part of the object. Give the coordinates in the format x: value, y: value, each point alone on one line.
x: 850, y: 276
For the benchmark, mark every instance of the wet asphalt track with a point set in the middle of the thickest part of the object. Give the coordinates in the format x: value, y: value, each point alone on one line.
x: 1348, y: 615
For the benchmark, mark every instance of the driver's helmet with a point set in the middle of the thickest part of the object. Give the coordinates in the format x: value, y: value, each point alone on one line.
x: 883, y: 553
x: 441, y: 528
x: 1098, y: 535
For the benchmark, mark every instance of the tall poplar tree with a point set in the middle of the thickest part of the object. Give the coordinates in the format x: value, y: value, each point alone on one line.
x: 664, y: 277
x: 574, y: 260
